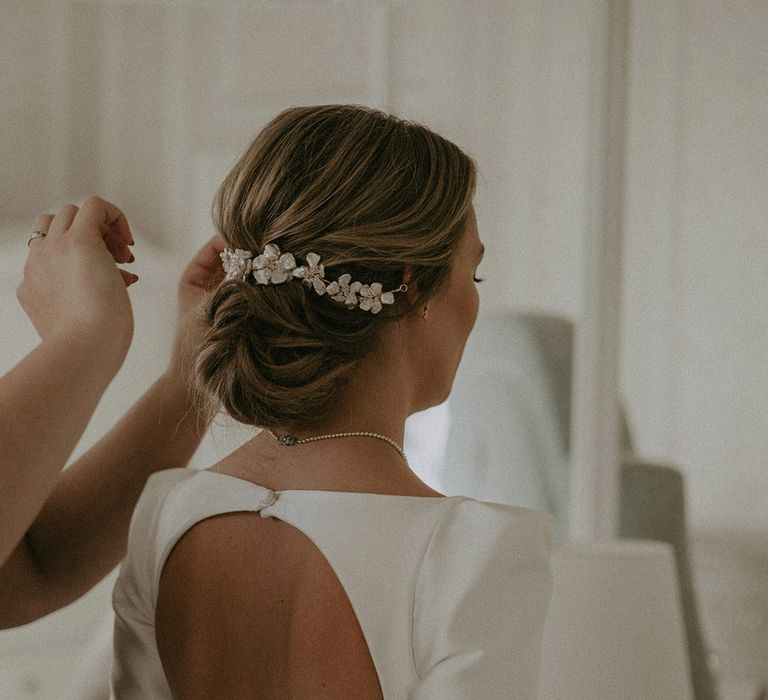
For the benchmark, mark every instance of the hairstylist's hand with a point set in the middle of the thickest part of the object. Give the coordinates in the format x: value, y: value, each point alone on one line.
x: 72, y: 286
x: 198, y: 281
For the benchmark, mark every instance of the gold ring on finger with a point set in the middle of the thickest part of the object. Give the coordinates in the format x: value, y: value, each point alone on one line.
x: 36, y: 234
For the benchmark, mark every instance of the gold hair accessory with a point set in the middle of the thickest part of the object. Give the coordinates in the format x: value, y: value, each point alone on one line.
x: 274, y: 267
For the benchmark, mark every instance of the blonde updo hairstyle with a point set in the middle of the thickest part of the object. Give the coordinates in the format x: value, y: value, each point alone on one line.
x: 372, y: 195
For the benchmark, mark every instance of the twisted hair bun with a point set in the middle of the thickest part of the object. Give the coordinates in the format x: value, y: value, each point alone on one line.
x: 372, y: 195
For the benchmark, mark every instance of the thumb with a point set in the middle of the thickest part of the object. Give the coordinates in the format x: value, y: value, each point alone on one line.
x: 205, y: 269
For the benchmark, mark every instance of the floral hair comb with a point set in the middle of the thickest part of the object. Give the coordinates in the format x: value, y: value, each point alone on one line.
x: 274, y: 267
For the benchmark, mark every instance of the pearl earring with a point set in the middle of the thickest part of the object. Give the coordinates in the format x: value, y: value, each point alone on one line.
x: 426, y: 311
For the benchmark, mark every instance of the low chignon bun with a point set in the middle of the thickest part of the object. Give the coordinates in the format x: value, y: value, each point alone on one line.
x: 372, y: 195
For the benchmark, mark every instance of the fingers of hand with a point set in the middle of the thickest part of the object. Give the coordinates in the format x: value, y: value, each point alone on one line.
x: 208, y: 255
x: 206, y: 269
x: 218, y: 243
x: 116, y: 245
x: 36, y: 245
x: 97, y: 213
x: 128, y: 277
x: 62, y: 221
x: 21, y: 293
x: 42, y: 223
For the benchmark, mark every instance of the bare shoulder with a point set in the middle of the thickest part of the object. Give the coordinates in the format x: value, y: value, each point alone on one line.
x: 248, y: 607
x: 218, y: 598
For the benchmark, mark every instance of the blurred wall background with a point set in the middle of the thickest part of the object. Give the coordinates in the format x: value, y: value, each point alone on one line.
x: 148, y: 104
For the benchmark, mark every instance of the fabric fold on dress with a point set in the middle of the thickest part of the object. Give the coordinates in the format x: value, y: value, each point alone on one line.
x: 479, y: 619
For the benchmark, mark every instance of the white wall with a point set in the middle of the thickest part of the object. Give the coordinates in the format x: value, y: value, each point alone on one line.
x: 510, y: 83
x: 696, y: 320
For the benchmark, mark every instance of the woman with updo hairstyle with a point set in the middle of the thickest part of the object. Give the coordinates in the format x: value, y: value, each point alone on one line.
x: 312, y: 562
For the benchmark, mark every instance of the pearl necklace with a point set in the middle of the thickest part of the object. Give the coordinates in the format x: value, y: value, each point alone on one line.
x: 288, y: 440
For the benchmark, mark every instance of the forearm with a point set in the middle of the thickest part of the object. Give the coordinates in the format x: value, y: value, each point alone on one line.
x: 82, y: 532
x: 46, y: 402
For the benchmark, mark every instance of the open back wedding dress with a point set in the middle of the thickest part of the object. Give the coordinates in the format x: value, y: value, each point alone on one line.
x: 450, y: 593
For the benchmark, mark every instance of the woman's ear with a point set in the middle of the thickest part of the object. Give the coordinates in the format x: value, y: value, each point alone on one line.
x: 412, y: 293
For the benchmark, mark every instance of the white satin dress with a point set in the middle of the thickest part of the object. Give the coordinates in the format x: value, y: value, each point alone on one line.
x: 462, y: 619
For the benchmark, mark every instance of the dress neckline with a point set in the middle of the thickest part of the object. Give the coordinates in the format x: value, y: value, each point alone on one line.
x: 346, y: 493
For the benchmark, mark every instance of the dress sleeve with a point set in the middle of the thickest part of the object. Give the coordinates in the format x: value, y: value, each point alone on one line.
x: 481, y: 599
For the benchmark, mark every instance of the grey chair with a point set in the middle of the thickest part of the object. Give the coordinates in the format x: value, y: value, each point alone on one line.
x: 509, y: 419
x: 652, y: 507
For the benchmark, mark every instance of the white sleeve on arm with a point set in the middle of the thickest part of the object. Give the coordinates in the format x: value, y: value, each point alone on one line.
x: 481, y: 599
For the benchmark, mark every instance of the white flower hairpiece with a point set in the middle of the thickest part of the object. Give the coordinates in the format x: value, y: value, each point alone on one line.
x: 274, y: 267
x: 237, y: 263
x: 271, y: 267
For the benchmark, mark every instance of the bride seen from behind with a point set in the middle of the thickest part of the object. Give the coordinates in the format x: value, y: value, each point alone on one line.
x: 351, y: 259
